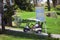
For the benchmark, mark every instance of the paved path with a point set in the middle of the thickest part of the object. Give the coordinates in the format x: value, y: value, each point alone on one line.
x: 16, y: 29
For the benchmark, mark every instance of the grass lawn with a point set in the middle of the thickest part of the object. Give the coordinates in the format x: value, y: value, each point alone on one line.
x: 53, y: 25
x: 22, y: 36
x: 8, y: 37
x: 14, y: 35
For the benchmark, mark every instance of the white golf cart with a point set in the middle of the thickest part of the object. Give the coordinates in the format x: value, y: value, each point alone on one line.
x: 36, y: 29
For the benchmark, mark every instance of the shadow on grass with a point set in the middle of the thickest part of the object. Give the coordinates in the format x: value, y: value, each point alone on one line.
x: 23, y: 35
x: 27, y: 35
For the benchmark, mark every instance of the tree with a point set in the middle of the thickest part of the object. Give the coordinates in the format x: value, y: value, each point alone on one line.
x: 48, y: 2
x: 2, y: 13
x: 24, y: 5
x: 35, y: 2
x: 54, y: 3
x: 8, y: 13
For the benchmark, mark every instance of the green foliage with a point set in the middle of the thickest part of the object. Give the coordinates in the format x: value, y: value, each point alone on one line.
x: 58, y: 7
x: 58, y: 12
x: 9, y: 12
x: 7, y: 17
x: 23, y: 36
x: 12, y: 18
x: 46, y: 7
x: 24, y: 5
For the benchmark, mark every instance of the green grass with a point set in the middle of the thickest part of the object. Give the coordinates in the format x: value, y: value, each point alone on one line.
x: 15, y: 35
x: 8, y: 37
x: 25, y: 14
x: 24, y: 37
x: 53, y: 25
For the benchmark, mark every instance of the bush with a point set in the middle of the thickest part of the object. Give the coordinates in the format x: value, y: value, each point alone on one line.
x: 58, y: 13
x: 12, y: 18
x: 46, y: 7
x: 58, y: 9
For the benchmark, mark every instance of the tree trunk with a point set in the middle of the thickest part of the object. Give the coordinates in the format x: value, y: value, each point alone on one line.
x: 54, y: 3
x: 2, y: 12
x: 35, y: 2
x: 9, y: 23
x: 48, y: 2
x: 10, y: 18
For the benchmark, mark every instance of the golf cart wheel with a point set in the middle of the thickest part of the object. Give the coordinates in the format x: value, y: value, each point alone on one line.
x: 25, y: 30
x: 39, y: 31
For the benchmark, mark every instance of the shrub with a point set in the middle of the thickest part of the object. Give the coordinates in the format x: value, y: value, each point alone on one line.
x: 58, y: 13
x: 12, y: 18
x: 58, y: 7
x: 46, y: 7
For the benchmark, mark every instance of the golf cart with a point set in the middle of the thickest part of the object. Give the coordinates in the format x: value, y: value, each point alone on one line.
x: 36, y: 30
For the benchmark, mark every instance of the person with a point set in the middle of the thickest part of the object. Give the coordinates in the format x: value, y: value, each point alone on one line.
x: 36, y: 25
x: 40, y: 25
x: 33, y: 26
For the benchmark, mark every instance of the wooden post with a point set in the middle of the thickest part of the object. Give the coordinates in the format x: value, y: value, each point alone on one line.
x: 2, y: 12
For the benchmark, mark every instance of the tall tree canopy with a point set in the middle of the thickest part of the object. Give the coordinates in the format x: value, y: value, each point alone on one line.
x: 24, y: 4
